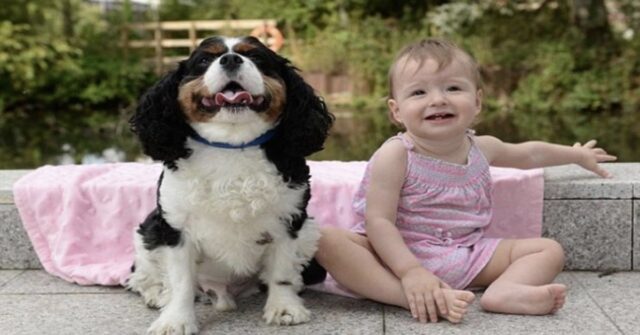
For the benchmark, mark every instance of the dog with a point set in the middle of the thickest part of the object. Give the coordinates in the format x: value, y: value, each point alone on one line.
x: 232, y: 125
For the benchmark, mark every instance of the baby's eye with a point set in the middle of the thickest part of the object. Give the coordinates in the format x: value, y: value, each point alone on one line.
x: 454, y: 88
x: 417, y: 92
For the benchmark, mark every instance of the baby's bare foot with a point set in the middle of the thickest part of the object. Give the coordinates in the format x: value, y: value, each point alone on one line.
x: 524, y: 299
x: 457, y: 303
x: 559, y: 294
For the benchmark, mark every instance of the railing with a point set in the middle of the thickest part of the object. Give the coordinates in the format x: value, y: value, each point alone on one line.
x: 265, y: 30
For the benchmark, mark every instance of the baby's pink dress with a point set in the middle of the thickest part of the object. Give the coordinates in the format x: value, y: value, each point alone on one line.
x: 443, y: 211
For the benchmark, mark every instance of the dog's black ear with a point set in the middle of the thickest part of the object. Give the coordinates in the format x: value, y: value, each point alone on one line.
x: 305, y: 122
x: 159, y: 121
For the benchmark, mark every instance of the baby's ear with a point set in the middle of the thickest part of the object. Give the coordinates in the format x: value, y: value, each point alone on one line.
x: 394, y: 116
x: 479, y: 96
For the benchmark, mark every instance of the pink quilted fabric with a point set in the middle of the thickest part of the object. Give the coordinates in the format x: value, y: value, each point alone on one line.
x: 80, y: 219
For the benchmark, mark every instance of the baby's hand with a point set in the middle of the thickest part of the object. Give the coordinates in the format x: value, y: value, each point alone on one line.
x: 424, y: 294
x: 591, y: 156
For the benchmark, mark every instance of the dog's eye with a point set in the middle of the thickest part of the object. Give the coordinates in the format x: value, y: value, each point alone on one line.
x: 205, y: 60
x: 251, y: 53
x: 254, y: 54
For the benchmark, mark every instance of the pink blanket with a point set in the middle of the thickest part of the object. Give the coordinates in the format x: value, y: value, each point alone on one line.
x: 80, y: 219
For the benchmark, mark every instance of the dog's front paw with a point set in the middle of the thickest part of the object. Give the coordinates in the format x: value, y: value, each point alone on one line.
x: 286, y: 314
x: 174, y: 324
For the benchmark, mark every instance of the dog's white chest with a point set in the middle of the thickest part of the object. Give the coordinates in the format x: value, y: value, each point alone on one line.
x: 229, y: 202
x: 228, y: 184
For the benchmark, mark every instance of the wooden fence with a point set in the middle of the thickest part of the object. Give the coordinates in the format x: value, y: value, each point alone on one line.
x: 171, y: 41
x: 158, y: 36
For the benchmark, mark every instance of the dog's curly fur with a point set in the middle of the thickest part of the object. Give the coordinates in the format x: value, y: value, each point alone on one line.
x: 227, y: 215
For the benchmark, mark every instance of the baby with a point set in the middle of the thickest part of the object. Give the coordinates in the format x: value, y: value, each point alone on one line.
x: 425, y: 201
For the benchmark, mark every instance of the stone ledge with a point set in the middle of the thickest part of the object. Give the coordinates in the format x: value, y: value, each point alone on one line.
x: 7, y: 178
x: 16, y: 251
x: 573, y: 182
x: 597, y: 220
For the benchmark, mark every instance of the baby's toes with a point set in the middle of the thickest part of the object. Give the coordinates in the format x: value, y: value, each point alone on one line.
x: 460, y: 304
x: 454, y: 316
x: 558, y: 303
x: 466, y: 296
x: 458, y: 310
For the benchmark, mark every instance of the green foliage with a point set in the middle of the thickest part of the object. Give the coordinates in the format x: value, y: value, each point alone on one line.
x: 76, y: 89
x: 549, y: 81
x: 363, y: 126
x: 24, y: 56
x: 547, y: 75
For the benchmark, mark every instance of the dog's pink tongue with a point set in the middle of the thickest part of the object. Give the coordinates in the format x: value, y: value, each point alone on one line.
x: 230, y: 97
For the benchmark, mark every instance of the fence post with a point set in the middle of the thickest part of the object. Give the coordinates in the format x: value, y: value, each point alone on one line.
x: 192, y: 37
x: 158, y: 46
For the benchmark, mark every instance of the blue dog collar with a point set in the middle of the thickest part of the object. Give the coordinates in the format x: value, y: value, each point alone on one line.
x: 255, y: 142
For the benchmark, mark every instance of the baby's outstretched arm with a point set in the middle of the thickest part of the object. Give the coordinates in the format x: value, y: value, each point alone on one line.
x: 536, y: 154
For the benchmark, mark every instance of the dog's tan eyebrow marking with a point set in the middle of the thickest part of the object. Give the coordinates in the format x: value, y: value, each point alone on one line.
x: 243, y: 47
x: 217, y: 48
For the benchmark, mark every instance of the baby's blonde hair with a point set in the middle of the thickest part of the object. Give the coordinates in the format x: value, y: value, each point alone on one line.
x: 444, y: 52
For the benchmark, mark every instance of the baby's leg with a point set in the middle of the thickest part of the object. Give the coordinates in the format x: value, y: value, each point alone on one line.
x: 352, y: 262
x: 519, y: 278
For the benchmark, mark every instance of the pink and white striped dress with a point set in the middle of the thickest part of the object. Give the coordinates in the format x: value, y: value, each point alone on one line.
x: 443, y: 211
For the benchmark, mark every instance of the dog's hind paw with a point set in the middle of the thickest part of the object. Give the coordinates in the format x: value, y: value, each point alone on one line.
x: 286, y: 314
x: 224, y: 304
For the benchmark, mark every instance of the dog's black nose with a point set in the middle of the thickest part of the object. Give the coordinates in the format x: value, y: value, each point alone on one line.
x: 231, y: 62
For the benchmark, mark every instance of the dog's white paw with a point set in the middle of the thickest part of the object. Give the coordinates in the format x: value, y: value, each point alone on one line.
x: 286, y: 314
x: 174, y: 324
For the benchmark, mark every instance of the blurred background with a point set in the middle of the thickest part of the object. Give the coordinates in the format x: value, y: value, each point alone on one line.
x: 71, y: 71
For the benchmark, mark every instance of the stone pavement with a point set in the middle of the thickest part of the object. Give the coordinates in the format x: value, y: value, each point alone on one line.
x: 33, y: 302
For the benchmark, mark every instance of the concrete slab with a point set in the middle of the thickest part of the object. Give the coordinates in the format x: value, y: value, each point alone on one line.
x: 7, y: 275
x: 617, y: 296
x: 596, y: 234
x: 573, y: 182
x: 74, y: 314
x: 38, y: 303
x: 617, y: 281
x: 40, y: 282
x: 46, y: 305
x: 16, y: 251
x: 330, y: 315
x: 636, y: 234
x: 581, y: 315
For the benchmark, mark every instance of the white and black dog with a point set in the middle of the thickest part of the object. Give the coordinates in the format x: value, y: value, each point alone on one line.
x: 232, y: 126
